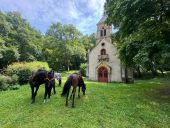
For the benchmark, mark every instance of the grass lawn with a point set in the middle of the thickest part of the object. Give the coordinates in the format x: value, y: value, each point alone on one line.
x: 114, y: 105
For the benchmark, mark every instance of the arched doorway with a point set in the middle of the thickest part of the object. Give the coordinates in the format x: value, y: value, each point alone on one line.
x: 102, y: 74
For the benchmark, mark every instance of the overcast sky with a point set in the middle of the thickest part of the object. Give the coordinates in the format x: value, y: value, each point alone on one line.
x: 84, y: 14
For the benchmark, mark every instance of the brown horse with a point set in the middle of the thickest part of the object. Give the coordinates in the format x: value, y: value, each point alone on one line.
x: 42, y: 77
x: 73, y: 80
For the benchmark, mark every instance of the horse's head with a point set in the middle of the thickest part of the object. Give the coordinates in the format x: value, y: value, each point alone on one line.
x: 83, y: 85
x: 51, y: 74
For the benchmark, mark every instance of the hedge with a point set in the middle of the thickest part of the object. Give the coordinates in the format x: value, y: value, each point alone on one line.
x: 24, y: 70
x: 7, y: 82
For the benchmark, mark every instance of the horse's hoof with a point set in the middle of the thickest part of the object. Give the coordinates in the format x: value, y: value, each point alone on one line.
x: 33, y: 101
x: 44, y: 101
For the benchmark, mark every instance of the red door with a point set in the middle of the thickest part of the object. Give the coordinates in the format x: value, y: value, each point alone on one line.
x: 102, y: 74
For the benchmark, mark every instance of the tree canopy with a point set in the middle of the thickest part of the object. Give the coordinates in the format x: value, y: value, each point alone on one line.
x: 63, y: 46
x: 143, y: 36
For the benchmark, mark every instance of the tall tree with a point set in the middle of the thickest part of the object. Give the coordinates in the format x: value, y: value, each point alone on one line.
x: 64, y: 47
x: 143, y: 31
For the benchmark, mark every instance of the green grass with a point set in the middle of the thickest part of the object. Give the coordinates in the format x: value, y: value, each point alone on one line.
x: 114, y: 105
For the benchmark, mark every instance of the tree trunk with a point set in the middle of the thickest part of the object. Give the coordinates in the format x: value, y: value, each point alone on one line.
x: 126, y: 75
x: 68, y: 68
x: 153, y: 70
x: 138, y: 72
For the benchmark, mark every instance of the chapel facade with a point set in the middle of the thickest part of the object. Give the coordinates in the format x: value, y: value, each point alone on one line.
x: 103, y: 62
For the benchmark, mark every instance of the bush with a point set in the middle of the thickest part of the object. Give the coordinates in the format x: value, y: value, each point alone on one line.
x: 24, y: 70
x: 8, y: 82
x: 83, y: 68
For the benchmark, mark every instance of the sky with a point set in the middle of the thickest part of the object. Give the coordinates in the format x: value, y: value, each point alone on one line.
x: 83, y: 14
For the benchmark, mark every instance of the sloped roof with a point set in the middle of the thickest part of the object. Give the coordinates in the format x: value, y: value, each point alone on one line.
x: 102, y: 20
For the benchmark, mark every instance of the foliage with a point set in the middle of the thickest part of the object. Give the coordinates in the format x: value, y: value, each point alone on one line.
x: 88, y: 41
x: 7, y: 54
x: 143, y: 104
x: 24, y: 70
x: 19, y: 41
x: 63, y: 48
x: 7, y: 82
x: 143, y: 32
x: 83, y: 68
x: 65, y: 74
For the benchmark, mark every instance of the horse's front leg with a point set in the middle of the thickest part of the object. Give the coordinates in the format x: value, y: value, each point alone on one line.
x: 79, y: 92
x: 49, y: 90
x: 46, y: 92
x: 53, y: 85
x: 74, y: 91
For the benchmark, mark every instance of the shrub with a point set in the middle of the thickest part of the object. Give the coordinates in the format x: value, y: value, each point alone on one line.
x: 83, y: 68
x: 8, y: 82
x: 24, y: 70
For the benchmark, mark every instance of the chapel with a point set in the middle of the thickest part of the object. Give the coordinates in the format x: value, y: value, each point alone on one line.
x: 103, y: 62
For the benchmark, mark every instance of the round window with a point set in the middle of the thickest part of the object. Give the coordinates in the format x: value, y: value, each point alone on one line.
x: 103, y: 44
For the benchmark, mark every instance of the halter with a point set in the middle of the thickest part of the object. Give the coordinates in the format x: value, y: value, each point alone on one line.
x: 49, y: 79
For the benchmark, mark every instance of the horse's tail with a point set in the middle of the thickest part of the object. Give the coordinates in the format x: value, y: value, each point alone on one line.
x: 66, y: 87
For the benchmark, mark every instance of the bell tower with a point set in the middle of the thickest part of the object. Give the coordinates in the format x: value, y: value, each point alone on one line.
x: 103, y: 30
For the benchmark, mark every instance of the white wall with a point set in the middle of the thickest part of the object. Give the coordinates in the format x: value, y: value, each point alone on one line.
x: 114, y: 62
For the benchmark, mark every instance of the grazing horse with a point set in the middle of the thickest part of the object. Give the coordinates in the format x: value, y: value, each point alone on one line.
x: 58, y: 77
x: 42, y: 77
x: 73, y: 80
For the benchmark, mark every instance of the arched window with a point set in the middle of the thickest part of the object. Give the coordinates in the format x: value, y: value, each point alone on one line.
x: 103, y: 52
x: 103, y: 32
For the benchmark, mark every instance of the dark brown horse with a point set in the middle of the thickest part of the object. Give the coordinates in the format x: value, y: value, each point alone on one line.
x: 42, y: 77
x: 73, y: 80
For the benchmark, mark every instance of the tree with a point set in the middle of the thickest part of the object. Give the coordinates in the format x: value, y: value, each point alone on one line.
x: 63, y: 48
x: 7, y: 54
x: 143, y: 31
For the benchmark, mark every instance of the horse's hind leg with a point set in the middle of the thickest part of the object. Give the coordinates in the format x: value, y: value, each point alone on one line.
x: 79, y: 92
x: 36, y: 90
x: 74, y: 91
x: 71, y: 94
x: 32, y: 94
x: 67, y: 97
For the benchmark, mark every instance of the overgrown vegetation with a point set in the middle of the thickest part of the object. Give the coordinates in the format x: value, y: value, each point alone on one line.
x: 8, y: 82
x: 83, y: 68
x: 141, y: 105
x: 24, y: 70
